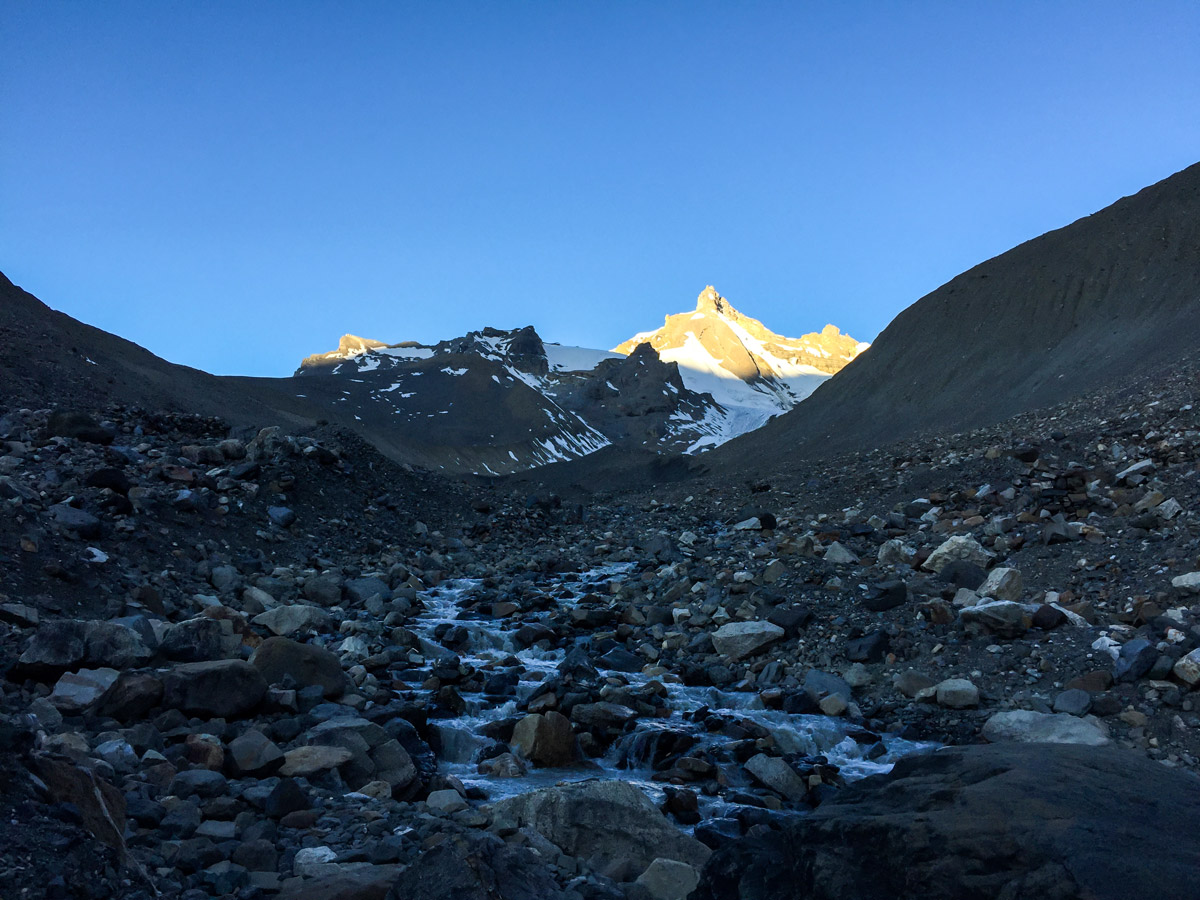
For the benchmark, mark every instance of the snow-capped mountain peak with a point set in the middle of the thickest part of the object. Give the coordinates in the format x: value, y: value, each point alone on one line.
x: 752, y: 372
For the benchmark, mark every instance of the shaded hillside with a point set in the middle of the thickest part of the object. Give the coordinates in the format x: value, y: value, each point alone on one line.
x: 49, y: 359
x: 1109, y: 297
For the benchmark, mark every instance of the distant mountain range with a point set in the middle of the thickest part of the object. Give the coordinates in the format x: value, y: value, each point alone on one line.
x: 495, y: 402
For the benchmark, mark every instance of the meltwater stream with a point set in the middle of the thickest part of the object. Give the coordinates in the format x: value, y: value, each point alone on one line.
x: 491, y: 643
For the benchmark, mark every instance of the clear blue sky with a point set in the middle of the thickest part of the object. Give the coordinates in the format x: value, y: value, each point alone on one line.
x: 234, y: 185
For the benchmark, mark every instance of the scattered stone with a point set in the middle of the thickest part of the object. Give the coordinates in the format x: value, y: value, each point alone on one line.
x: 1025, y: 726
x: 737, y: 640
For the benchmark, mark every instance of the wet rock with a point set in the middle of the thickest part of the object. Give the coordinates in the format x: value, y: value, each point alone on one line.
x: 994, y: 822
x: 545, y: 739
x: 479, y: 867
x: 608, y: 822
x: 737, y: 640
x: 279, y: 658
x: 227, y: 688
x: 1025, y: 726
x: 777, y: 775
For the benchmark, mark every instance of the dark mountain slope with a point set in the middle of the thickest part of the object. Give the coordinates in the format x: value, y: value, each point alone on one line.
x: 1111, y: 296
x: 49, y: 359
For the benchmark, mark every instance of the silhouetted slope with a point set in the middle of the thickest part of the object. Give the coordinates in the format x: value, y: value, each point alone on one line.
x: 49, y: 359
x: 1111, y: 296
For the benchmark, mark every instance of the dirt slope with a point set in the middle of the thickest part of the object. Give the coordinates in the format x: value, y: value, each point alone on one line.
x: 1109, y: 297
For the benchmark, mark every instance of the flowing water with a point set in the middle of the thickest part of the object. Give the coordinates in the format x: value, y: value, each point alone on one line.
x: 491, y: 642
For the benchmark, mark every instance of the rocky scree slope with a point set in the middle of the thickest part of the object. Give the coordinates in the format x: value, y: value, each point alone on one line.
x: 280, y: 674
x: 1111, y: 296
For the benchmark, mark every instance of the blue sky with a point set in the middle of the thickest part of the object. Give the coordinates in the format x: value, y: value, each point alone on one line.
x: 234, y: 185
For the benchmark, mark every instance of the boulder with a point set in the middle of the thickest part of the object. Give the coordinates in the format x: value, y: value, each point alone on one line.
x: 132, y: 696
x: 476, y: 867
x: 669, y: 879
x: 70, y: 643
x: 609, y: 822
x: 278, y: 658
x: 305, y: 761
x: 987, y: 822
x: 959, y: 547
x: 1002, y: 584
x: 1026, y: 726
x: 777, y: 775
x: 301, y: 618
x: 957, y: 693
x: 224, y: 688
x: 737, y: 640
x: 1002, y: 618
x: 76, y: 691
x: 253, y: 753
x: 545, y: 739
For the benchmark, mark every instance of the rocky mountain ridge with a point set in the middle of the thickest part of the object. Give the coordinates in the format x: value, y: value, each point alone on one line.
x: 704, y: 378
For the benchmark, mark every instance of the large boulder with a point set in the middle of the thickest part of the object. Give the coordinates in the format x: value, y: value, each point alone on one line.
x: 740, y: 639
x: 224, y: 688
x: 1025, y: 726
x: 607, y: 822
x: 1020, y: 823
x: 71, y: 643
x: 477, y: 868
x: 299, y: 618
x: 278, y: 658
x: 545, y: 739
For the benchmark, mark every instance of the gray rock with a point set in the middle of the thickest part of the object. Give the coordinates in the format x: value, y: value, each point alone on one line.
x: 1073, y: 702
x: 253, y: 753
x: 838, y: 555
x: 446, y: 801
x: 957, y: 693
x: 278, y: 658
x: 1002, y: 584
x: 226, y: 688
x: 1027, y: 823
x: 777, y: 775
x: 910, y: 682
x: 959, y: 547
x: 76, y: 691
x: 325, y: 590
x: 1001, y: 617
x: 286, y: 621
x: 610, y: 822
x: 737, y: 640
x: 669, y: 879
x: 1025, y: 726
x: 1187, y: 584
x: 360, y: 590
x: 818, y: 685
x: 545, y: 739
x: 281, y: 516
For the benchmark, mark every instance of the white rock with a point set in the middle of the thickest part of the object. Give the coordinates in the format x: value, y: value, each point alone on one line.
x: 1028, y: 727
x: 1187, y: 584
x: 1141, y: 467
x: 1187, y: 669
x: 751, y: 524
x: 958, y: 547
x: 311, y: 862
x: 739, y: 639
x: 837, y: 554
x: 1002, y: 584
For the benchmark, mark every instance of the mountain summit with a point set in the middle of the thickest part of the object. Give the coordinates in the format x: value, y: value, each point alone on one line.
x: 752, y: 372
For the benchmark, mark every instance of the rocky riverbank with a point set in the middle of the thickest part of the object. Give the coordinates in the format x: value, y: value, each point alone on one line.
x: 261, y: 664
